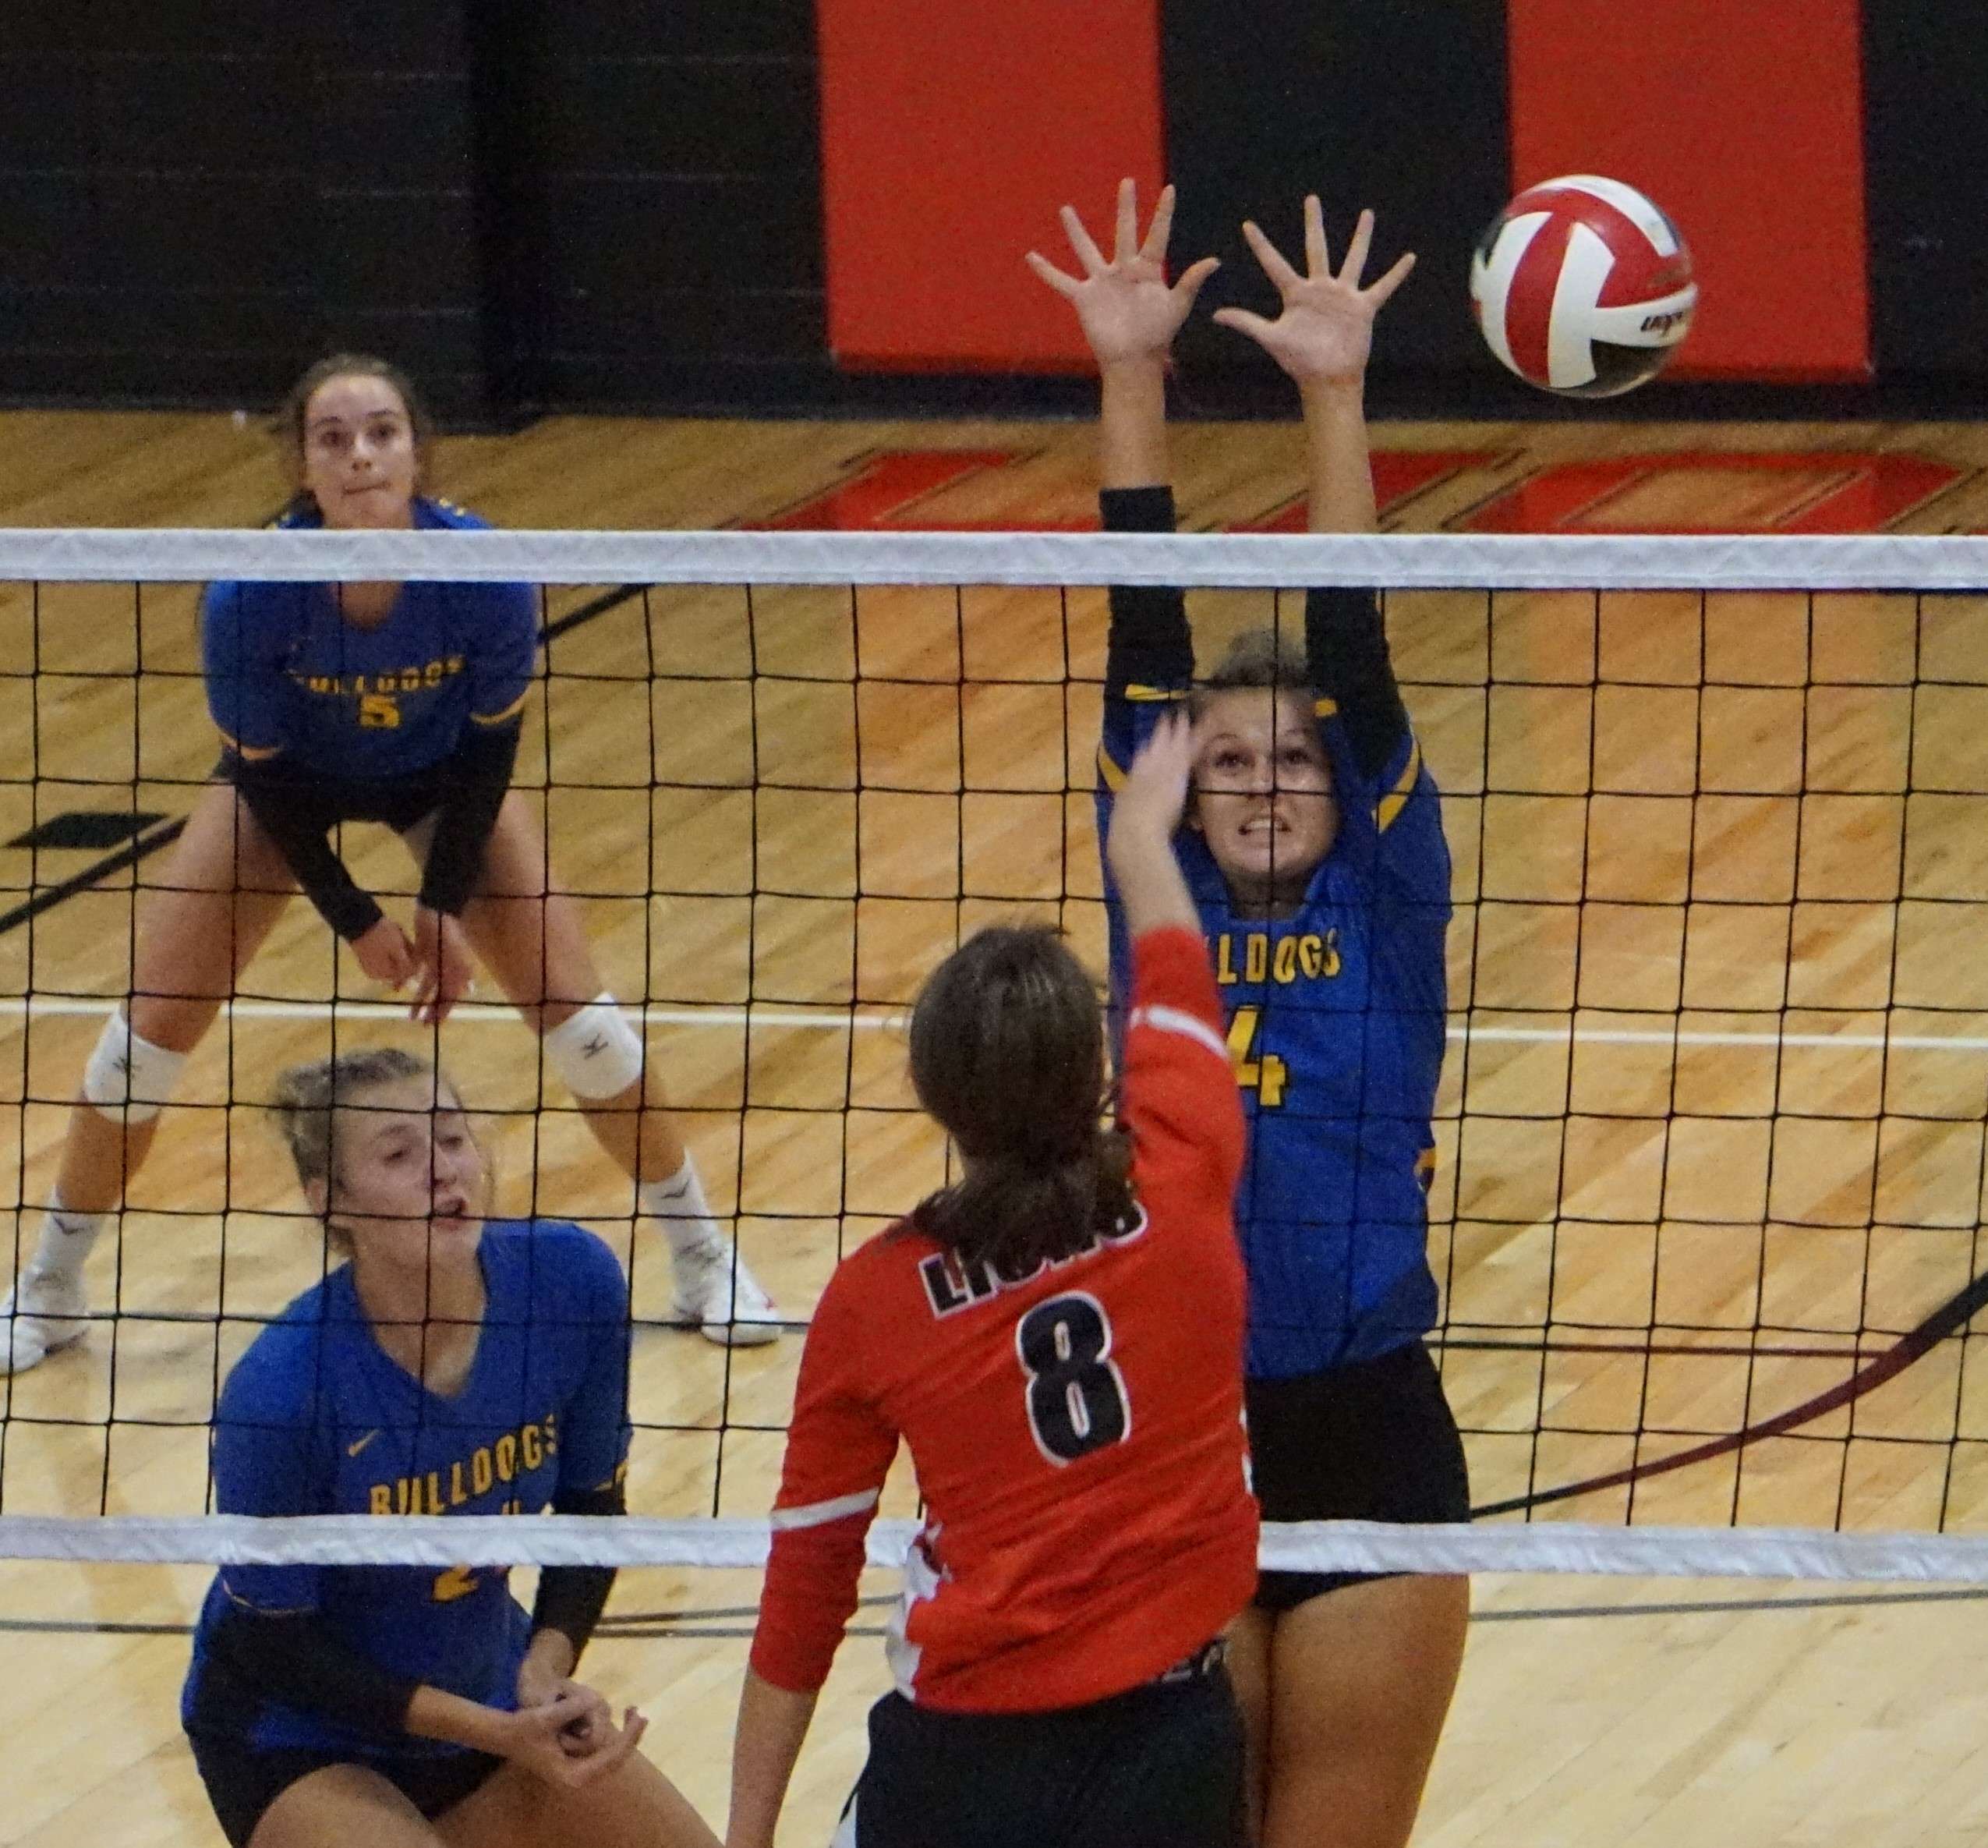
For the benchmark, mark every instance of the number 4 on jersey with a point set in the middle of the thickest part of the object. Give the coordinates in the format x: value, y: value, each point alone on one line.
x: 1265, y: 1074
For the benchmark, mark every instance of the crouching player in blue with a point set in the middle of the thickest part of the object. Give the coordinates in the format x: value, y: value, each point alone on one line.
x: 1315, y: 853
x: 448, y: 1366
x: 398, y: 704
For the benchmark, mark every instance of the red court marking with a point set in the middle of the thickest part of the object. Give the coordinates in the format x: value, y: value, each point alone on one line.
x: 884, y: 493
x: 1398, y: 476
x: 1829, y: 492
x: 897, y: 490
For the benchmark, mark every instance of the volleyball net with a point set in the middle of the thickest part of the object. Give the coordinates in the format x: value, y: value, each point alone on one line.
x: 1706, y: 1213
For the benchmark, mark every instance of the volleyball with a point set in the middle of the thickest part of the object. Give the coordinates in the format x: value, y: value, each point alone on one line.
x: 1583, y: 286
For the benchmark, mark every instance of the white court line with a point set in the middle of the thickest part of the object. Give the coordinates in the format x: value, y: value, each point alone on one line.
x: 836, y: 1019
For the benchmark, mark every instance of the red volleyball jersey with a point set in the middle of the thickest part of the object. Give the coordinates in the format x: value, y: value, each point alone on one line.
x: 1077, y: 1433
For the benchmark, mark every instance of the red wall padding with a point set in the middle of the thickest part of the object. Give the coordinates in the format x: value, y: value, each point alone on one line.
x: 951, y: 131
x: 1745, y: 123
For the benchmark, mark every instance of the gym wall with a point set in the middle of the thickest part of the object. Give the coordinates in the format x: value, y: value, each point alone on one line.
x: 807, y: 202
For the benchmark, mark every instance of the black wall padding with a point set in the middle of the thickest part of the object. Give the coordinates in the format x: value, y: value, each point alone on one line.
x: 1400, y: 104
x: 1926, y: 153
x: 669, y: 198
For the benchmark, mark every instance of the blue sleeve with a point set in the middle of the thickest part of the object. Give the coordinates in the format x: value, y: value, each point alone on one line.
x: 1414, y: 855
x: 266, y: 1462
x: 245, y: 690
x: 503, y: 652
x: 594, y: 1427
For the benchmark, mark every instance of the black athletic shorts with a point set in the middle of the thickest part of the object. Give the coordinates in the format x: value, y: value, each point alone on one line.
x: 243, y: 1780
x: 1158, y: 1767
x: 398, y: 802
x: 1373, y: 1440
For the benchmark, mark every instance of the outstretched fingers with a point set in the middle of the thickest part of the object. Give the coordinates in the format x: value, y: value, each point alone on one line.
x: 1192, y: 276
x: 1063, y: 283
x: 1161, y: 230
x: 1125, y: 236
x: 1087, y: 252
x: 1388, y: 284
x: 1280, y: 273
x: 1363, y: 241
x: 1316, y: 261
x: 1243, y: 321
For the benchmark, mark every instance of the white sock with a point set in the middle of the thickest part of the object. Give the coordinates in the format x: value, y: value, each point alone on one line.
x: 680, y: 1204
x: 66, y: 1238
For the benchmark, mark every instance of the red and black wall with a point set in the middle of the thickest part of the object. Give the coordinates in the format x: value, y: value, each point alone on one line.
x: 808, y: 202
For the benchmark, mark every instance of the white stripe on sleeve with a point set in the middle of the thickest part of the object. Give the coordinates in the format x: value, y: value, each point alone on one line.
x: 814, y: 1514
x: 1173, y: 1020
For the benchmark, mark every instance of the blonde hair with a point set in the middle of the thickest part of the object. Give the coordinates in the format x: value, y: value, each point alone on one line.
x: 308, y: 1100
x: 1257, y: 657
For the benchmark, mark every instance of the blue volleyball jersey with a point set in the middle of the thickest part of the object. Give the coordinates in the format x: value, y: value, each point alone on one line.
x: 317, y: 1419
x: 1337, y: 1015
x: 287, y: 677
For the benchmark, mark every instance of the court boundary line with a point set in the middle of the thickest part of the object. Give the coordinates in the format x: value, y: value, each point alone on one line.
x: 837, y: 1018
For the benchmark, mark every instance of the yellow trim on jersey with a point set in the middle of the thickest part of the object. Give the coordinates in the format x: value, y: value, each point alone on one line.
x: 1396, y: 799
x: 1146, y: 696
x: 1114, y: 777
x: 510, y: 712
x: 1325, y: 708
x: 251, y: 753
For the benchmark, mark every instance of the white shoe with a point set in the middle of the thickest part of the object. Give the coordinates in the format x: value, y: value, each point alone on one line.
x: 716, y: 1290
x: 44, y: 1312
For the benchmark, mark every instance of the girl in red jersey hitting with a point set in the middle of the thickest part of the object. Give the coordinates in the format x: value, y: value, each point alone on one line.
x: 1058, y: 1337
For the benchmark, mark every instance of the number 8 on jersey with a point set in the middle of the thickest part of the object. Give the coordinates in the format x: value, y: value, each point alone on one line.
x: 1077, y: 1401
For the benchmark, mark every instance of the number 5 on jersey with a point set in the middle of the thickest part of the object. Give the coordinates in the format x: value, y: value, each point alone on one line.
x: 1075, y: 1394
x: 1265, y: 1074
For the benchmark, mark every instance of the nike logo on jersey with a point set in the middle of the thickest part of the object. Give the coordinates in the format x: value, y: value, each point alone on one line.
x: 359, y: 1444
x: 458, y: 1581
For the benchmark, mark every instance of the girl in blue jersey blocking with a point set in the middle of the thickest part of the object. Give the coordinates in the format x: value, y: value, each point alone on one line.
x: 449, y: 1366
x: 1316, y: 856
x: 393, y: 704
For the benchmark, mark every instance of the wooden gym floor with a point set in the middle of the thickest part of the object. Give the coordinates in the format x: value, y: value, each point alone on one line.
x: 1713, y: 1114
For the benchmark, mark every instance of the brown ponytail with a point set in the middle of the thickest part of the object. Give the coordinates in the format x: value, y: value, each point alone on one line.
x: 1008, y: 1054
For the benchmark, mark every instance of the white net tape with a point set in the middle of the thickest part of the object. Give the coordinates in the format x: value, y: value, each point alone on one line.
x: 1303, y: 1546
x: 1395, y: 561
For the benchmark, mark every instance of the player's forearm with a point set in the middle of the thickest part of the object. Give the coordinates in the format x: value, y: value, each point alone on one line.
x: 1132, y: 424
x: 479, y: 778
x: 551, y: 1651
x: 434, y: 1713
x: 294, y: 825
x: 1341, y: 473
x: 772, y: 1722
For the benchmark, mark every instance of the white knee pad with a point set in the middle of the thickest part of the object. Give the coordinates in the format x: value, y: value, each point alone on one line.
x: 127, y: 1078
x: 596, y: 1052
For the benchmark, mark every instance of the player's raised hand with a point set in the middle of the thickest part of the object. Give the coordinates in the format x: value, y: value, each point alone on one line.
x: 1125, y: 305
x: 1154, y: 794
x: 1146, y: 811
x: 1325, y: 331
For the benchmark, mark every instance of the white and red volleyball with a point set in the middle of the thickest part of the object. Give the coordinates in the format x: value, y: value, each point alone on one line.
x: 1582, y: 285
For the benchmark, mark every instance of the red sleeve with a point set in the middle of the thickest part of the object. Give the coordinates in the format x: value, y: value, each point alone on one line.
x: 838, y: 1450
x: 1178, y: 1088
